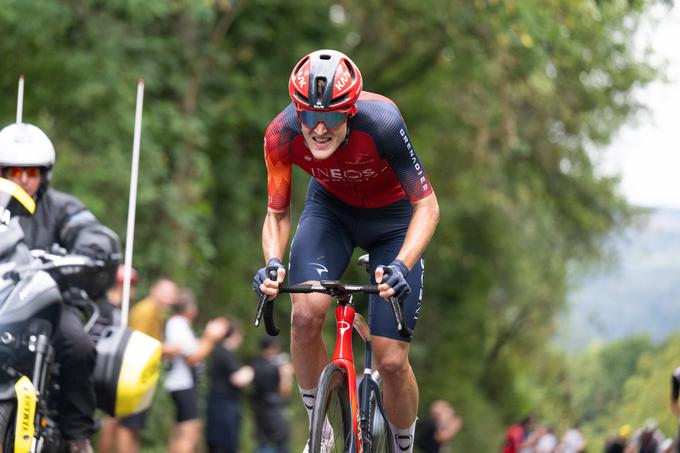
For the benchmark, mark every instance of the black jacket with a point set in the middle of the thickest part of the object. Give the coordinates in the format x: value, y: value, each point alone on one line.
x: 62, y: 219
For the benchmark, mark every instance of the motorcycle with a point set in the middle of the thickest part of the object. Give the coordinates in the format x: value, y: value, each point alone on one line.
x: 34, y: 285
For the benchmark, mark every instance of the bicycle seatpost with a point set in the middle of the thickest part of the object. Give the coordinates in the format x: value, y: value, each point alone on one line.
x: 364, y: 260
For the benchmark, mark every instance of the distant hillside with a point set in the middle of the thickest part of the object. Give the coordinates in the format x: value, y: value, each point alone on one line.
x: 639, y: 294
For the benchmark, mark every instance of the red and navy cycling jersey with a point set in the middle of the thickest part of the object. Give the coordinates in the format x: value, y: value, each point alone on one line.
x: 375, y: 167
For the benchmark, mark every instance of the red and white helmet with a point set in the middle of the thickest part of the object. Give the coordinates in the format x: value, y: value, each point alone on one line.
x: 325, y: 80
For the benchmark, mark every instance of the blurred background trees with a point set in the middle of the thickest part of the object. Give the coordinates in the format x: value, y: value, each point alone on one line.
x: 506, y: 102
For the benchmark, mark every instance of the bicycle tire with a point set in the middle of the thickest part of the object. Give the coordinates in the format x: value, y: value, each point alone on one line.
x: 332, y: 404
x: 7, y: 418
x: 380, y: 440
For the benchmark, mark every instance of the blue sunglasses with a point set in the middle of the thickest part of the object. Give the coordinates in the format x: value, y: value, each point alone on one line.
x: 311, y: 118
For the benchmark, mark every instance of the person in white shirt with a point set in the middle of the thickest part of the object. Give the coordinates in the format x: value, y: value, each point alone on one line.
x: 572, y: 441
x: 548, y: 441
x: 180, y: 380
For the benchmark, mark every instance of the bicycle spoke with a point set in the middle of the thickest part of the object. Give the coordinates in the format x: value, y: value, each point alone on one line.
x: 334, y: 428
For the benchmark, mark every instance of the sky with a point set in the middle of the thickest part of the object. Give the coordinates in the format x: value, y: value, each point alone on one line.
x: 646, y: 150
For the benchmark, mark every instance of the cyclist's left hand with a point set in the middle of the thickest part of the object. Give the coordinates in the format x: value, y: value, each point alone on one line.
x: 392, y: 280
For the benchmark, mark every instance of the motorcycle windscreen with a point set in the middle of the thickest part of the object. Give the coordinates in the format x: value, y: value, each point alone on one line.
x: 127, y: 371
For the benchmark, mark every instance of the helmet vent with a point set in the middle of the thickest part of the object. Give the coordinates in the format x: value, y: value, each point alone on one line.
x: 340, y: 100
x: 325, y: 56
x: 320, y: 86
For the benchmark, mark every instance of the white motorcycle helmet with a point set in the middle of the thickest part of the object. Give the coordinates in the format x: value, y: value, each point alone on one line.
x: 25, y: 145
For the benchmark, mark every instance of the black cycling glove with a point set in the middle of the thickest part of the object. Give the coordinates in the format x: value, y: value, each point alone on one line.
x: 94, y: 252
x: 261, y: 275
x: 395, y: 276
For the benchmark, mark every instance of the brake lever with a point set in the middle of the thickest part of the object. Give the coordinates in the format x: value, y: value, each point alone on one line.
x: 266, y: 307
x: 398, y: 311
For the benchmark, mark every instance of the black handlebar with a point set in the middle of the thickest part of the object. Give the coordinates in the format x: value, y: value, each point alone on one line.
x: 333, y: 288
x: 48, y: 262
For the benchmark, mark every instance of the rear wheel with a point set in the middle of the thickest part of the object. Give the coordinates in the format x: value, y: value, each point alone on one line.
x: 7, y: 417
x: 332, y: 417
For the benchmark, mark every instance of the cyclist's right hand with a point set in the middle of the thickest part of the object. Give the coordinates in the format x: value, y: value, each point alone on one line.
x: 262, y: 284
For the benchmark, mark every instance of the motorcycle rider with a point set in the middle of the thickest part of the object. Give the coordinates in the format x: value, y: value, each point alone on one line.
x: 26, y: 158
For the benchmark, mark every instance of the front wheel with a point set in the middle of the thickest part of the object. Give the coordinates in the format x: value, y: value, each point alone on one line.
x: 331, y: 428
x: 7, y: 417
x: 378, y: 439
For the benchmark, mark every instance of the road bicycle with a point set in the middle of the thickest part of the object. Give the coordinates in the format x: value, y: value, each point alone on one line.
x: 343, y: 418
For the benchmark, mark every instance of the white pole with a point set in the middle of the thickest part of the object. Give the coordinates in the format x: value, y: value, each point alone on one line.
x: 20, y: 99
x: 132, y: 205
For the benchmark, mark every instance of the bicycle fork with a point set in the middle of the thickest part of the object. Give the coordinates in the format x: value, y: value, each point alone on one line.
x: 346, y: 319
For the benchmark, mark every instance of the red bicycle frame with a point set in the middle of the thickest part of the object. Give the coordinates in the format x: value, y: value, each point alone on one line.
x: 347, y: 319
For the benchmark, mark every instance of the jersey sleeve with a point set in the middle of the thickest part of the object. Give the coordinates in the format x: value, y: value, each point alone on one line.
x: 394, y: 145
x: 279, y: 166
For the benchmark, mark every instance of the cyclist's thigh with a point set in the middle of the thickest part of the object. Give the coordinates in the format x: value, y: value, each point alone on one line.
x: 382, y: 319
x: 321, y: 248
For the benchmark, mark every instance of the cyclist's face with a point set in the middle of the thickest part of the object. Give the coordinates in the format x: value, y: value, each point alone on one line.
x: 322, y: 141
x: 27, y: 177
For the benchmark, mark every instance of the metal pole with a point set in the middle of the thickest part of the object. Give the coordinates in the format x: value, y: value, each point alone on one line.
x: 132, y: 205
x: 20, y: 99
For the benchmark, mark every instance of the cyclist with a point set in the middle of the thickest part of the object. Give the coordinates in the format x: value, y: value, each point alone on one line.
x: 368, y: 189
x: 26, y: 158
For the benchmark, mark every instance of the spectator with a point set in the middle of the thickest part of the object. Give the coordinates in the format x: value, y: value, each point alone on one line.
x: 572, y: 441
x: 180, y: 381
x: 147, y: 316
x: 273, y: 376
x: 440, y: 426
x: 515, y: 435
x: 667, y: 446
x: 117, y: 434
x: 547, y: 442
x: 531, y: 438
x: 618, y: 443
x: 110, y: 309
x: 227, y: 379
x: 647, y: 439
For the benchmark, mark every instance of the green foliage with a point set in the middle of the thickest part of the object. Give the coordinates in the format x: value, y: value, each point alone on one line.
x: 625, y: 382
x: 504, y: 101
